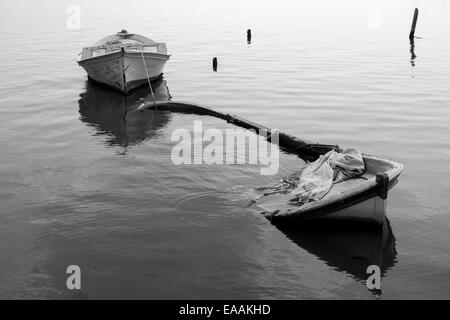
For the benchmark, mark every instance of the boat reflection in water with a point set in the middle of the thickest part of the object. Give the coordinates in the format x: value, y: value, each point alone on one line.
x: 113, y: 114
x: 346, y: 248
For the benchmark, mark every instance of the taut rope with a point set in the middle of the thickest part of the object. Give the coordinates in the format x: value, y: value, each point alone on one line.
x: 148, y: 78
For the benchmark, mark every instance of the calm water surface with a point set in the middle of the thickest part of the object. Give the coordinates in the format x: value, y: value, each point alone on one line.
x: 87, y: 180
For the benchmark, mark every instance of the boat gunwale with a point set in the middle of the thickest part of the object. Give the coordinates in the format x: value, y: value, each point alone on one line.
x: 161, y: 56
x: 307, y: 150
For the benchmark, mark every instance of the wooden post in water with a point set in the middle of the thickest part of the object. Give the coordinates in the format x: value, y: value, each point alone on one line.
x: 214, y: 64
x: 413, y: 26
x: 249, y: 36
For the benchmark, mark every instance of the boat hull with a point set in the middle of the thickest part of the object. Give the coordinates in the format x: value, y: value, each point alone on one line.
x: 124, y: 70
x: 372, y: 211
x: 362, y: 209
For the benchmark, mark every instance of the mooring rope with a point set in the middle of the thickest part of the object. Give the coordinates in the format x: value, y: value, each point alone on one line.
x: 148, y: 78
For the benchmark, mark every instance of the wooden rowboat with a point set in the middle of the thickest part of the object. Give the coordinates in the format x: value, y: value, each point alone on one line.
x: 361, y: 199
x: 124, y: 61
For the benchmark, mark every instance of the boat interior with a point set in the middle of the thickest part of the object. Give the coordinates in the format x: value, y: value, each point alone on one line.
x: 284, y: 204
x: 123, y: 39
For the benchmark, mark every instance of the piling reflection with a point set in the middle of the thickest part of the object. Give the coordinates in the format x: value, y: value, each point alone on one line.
x: 350, y: 248
x: 411, y: 50
x: 114, y: 115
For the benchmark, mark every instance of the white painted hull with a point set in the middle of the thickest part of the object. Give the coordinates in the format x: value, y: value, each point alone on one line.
x: 125, y: 71
x: 372, y: 210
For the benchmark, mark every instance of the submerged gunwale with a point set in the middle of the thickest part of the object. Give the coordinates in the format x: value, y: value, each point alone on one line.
x: 308, y: 151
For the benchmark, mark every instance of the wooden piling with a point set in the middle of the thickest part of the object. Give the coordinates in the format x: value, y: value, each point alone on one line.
x: 413, y: 26
x: 214, y: 62
x: 249, y: 35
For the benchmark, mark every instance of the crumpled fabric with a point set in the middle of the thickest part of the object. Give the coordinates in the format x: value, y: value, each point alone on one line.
x: 317, y: 178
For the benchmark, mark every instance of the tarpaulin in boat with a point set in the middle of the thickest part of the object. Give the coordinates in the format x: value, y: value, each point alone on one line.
x: 316, y: 179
